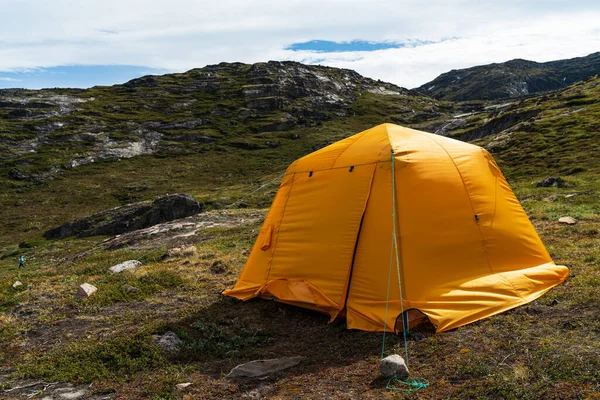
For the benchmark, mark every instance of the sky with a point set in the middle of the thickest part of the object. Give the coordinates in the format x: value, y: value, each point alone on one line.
x: 82, y: 43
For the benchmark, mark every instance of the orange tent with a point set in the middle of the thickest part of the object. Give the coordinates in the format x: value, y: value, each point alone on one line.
x: 393, y: 213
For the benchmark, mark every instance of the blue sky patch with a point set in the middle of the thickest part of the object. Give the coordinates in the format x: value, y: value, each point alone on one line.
x: 327, y: 46
x: 74, y: 76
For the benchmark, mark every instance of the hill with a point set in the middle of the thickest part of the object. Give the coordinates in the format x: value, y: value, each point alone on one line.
x: 225, y: 133
x: 513, y: 78
x: 201, y: 131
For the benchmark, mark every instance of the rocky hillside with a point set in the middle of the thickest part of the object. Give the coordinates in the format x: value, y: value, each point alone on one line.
x: 510, y: 79
x: 205, y: 129
x: 223, y: 106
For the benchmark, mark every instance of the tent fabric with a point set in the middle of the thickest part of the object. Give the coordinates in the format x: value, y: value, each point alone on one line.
x: 467, y: 250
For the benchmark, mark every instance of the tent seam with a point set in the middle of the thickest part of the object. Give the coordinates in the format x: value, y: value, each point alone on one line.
x: 350, y: 145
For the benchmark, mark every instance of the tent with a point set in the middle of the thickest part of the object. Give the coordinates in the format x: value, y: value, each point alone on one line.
x: 393, y: 213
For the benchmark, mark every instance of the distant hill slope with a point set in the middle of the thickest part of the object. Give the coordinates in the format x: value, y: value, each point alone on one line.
x: 221, y: 126
x: 510, y: 79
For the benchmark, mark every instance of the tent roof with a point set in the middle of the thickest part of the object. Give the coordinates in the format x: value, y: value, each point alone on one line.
x: 371, y: 146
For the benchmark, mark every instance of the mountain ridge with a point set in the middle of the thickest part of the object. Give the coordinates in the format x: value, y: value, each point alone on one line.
x: 513, y: 78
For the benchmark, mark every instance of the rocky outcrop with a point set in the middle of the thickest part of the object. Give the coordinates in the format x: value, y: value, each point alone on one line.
x: 130, y: 217
x: 182, y: 232
x: 499, y: 124
x: 45, y: 132
x: 261, y: 368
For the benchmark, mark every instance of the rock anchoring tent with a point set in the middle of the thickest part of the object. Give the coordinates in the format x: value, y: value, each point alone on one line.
x: 466, y: 249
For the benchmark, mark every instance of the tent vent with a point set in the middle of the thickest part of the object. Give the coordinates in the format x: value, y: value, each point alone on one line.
x: 351, y: 168
x: 476, y: 218
x: 310, y: 174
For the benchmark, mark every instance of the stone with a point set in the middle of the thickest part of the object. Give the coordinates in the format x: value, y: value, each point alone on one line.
x: 258, y: 368
x: 183, y: 385
x: 168, y: 342
x: 125, y: 266
x: 129, y: 218
x: 393, y: 365
x: 551, y: 181
x: 85, y: 290
x: 567, y: 220
x: 130, y: 289
x: 17, y: 284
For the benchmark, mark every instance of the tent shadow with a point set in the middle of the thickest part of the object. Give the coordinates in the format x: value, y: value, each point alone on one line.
x: 229, y: 332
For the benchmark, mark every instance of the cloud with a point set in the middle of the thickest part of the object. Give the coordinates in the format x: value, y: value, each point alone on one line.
x: 182, y: 34
x: 7, y: 79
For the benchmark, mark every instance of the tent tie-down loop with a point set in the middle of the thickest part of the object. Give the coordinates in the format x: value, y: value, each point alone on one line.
x: 413, y: 384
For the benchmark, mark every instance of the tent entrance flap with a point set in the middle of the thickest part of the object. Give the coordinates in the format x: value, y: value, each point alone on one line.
x: 318, y: 234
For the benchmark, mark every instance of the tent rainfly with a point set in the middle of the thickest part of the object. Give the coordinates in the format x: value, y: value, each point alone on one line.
x: 465, y: 248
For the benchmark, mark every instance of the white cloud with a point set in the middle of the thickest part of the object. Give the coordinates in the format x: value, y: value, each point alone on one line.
x: 184, y: 34
x: 7, y: 79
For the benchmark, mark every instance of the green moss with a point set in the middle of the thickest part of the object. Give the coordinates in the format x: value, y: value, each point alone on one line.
x: 117, y: 360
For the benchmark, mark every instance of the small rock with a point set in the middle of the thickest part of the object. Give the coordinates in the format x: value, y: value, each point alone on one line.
x: 393, y: 365
x: 567, y: 220
x: 124, y: 266
x: 17, y: 284
x: 183, y: 385
x: 551, y: 182
x: 169, y: 342
x: 85, y: 290
x: 254, y: 369
x: 130, y: 289
x: 219, y: 267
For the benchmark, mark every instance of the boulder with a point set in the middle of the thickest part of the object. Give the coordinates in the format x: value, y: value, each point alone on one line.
x: 258, y: 368
x: 17, y: 284
x: 551, y: 181
x: 393, y: 365
x: 85, y: 290
x: 567, y: 220
x: 130, y: 217
x: 124, y: 266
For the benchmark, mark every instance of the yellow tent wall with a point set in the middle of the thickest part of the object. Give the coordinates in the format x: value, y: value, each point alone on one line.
x: 466, y: 248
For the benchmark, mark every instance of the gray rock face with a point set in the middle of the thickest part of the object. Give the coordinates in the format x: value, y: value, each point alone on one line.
x: 393, y: 365
x: 130, y: 217
x: 258, y: 368
x: 124, y: 266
